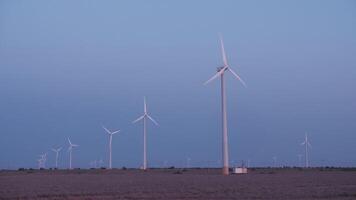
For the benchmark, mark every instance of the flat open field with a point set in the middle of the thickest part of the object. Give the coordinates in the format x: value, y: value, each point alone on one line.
x: 168, y: 184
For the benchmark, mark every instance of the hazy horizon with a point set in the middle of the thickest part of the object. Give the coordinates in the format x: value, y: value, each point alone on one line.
x: 69, y: 67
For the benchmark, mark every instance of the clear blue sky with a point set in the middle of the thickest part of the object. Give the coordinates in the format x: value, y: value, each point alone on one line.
x: 66, y: 67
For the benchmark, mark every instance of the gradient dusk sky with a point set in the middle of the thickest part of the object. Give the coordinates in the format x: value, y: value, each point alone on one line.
x: 67, y: 67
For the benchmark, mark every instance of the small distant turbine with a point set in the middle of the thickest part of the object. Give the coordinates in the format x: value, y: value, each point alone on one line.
x: 188, y: 162
x: 39, y: 163
x: 101, y: 162
x: 275, y: 161
x: 57, y: 153
x: 110, y: 141
x: 144, y: 117
x: 220, y: 73
x: 307, y: 145
x: 43, y: 160
x: 70, y: 149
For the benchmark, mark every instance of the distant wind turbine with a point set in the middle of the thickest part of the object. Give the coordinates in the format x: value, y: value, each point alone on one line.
x: 307, y: 145
x: 110, y: 141
x: 274, y: 161
x: 70, y: 149
x: 101, y: 162
x: 220, y: 73
x: 144, y: 117
x: 39, y: 163
x: 188, y: 162
x: 43, y: 160
x: 57, y: 153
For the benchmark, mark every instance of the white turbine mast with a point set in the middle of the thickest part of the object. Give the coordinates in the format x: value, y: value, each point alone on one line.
x: 144, y: 117
x: 57, y: 153
x: 70, y: 149
x: 111, y: 133
x: 307, y: 146
x: 220, y: 73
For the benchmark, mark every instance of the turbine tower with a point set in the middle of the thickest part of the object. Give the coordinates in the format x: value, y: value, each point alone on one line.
x: 307, y: 145
x: 110, y: 141
x: 220, y: 73
x: 144, y: 117
x: 57, y: 153
x: 70, y: 149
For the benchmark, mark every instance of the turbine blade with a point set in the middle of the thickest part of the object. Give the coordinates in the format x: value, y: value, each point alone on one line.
x: 115, y: 132
x: 154, y: 121
x: 215, y: 75
x: 138, y: 119
x: 69, y: 141
x: 237, y: 76
x: 223, y: 50
x: 107, y: 130
x: 303, y: 143
x: 144, y: 105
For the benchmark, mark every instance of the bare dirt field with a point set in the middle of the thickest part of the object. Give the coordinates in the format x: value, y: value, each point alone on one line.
x: 178, y: 184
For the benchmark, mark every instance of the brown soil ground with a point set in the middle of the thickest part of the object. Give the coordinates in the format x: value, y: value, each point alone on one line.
x: 178, y: 184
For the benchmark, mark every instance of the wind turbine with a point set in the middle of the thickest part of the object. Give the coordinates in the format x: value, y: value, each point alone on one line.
x: 70, y: 148
x: 57, y: 152
x: 144, y: 117
x: 188, y: 162
x: 220, y: 73
x: 274, y: 161
x: 307, y: 144
x: 43, y: 160
x: 110, y: 141
x: 39, y: 163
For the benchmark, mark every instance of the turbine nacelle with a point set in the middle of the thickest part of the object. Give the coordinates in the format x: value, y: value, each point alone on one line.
x: 57, y: 150
x: 218, y: 69
x: 221, y: 70
x: 71, y: 145
x: 110, y: 132
x: 145, y: 114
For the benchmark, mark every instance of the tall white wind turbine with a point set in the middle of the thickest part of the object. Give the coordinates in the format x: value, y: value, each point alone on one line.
x: 144, y: 117
x: 57, y: 153
x: 110, y: 141
x: 220, y: 73
x: 70, y: 149
x: 307, y: 145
